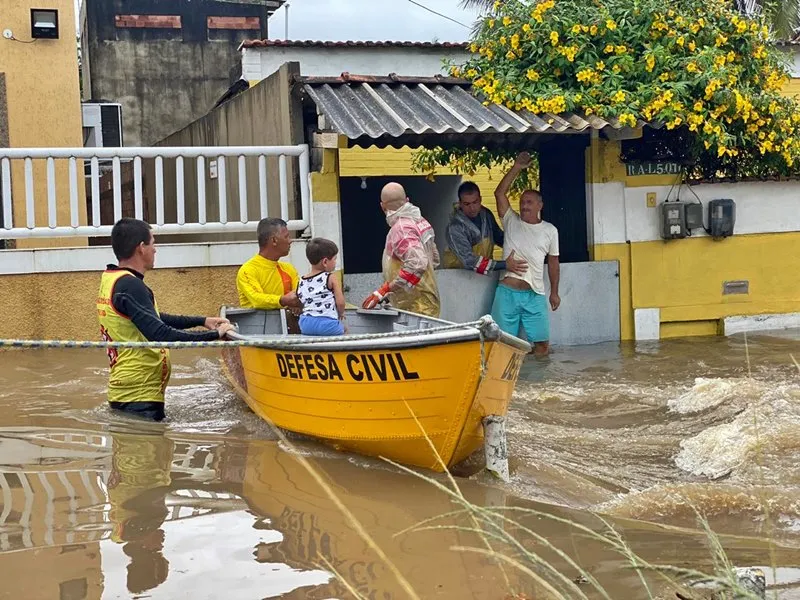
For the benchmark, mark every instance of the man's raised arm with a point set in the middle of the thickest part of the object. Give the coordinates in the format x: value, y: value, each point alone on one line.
x: 523, y: 161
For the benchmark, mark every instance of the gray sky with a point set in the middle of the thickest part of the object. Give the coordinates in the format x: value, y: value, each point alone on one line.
x: 396, y: 20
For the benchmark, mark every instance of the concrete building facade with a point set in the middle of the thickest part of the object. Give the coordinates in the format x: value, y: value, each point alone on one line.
x: 262, y: 58
x: 166, y: 62
x: 39, y: 100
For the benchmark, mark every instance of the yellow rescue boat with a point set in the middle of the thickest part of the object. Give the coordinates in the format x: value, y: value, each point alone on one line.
x: 394, y: 380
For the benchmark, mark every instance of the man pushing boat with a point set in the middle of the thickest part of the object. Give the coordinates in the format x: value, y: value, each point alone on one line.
x: 409, y: 257
x: 128, y: 312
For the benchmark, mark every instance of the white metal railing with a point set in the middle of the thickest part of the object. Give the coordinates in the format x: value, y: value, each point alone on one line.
x: 169, y: 196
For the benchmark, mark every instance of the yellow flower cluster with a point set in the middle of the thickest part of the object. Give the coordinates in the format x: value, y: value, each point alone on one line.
x: 555, y: 105
x: 705, y: 68
x: 540, y: 9
x: 589, y: 76
x: 568, y: 52
x: 711, y: 88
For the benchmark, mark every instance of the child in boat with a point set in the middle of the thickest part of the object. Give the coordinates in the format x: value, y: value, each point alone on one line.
x: 320, y: 292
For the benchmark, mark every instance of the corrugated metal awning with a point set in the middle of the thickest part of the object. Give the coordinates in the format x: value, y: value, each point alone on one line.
x: 428, y: 111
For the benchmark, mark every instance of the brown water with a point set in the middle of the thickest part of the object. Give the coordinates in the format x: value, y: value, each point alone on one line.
x: 211, y: 505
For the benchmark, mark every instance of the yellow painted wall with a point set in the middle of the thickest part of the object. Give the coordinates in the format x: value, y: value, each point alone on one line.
x: 684, y: 278
x: 62, y: 305
x: 792, y: 88
x: 44, y: 110
x: 396, y: 162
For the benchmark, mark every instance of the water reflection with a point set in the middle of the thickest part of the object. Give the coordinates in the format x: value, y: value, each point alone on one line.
x: 135, y: 511
x: 138, y: 484
x: 110, y: 515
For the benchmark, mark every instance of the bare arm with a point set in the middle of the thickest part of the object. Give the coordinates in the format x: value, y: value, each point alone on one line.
x: 336, y: 286
x: 554, y: 271
x: 522, y: 162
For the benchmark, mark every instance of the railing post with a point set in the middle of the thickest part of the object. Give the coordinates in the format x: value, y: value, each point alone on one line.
x: 242, y: 189
x: 52, y: 209
x: 284, y: 181
x: 180, y: 184
x: 30, y: 207
x: 222, y: 183
x: 305, y: 188
x: 262, y: 186
x: 95, y: 192
x: 8, y: 210
x: 117, y: 183
x: 137, y: 188
x: 201, y: 190
x: 73, y: 193
x: 160, y: 190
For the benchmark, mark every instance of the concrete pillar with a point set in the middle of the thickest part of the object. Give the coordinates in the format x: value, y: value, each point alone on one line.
x: 326, y: 213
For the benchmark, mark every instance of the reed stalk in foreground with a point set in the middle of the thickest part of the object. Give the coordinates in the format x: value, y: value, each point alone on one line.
x: 506, y: 541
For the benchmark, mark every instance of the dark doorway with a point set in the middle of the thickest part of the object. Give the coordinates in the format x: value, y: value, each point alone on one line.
x: 364, y: 225
x: 562, y: 168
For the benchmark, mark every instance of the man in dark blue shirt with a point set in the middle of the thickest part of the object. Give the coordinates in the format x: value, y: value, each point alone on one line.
x: 472, y: 235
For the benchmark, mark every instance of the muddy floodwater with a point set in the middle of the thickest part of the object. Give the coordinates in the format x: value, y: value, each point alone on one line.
x: 211, y: 505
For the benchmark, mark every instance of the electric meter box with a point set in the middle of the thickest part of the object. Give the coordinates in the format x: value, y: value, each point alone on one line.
x: 694, y: 216
x: 673, y: 220
x: 721, y: 217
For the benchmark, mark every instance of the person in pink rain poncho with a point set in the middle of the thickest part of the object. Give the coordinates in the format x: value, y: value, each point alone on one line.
x: 409, y: 257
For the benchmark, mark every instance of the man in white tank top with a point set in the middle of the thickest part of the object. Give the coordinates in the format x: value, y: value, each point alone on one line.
x: 520, y: 298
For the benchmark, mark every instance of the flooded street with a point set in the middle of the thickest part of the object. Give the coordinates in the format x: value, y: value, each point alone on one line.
x: 211, y: 505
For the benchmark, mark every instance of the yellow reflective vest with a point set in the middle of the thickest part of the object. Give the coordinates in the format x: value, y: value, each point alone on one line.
x: 137, y: 374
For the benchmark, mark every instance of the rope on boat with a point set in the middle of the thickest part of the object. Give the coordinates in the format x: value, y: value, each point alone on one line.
x: 482, y: 325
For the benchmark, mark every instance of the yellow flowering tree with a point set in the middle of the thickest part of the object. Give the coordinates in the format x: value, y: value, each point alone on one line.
x: 467, y: 161
x: 696, y: 65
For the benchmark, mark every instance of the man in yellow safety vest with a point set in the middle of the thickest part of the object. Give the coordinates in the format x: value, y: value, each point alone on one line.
x: 128, y: 312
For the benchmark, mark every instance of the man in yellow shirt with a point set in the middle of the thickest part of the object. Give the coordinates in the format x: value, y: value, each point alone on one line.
x: 263, y: 282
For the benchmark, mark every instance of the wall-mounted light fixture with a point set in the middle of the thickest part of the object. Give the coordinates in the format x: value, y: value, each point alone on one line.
x: 44, y: 23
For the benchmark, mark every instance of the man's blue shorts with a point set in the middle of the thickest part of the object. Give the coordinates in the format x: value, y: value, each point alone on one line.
x: 320, y: 326
x: 514, y: 307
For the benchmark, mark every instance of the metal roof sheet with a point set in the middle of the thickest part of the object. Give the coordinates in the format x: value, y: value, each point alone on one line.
x: 379, y: 110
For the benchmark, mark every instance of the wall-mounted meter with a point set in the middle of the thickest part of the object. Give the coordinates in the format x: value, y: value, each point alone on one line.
x: 721, y: 217
x: 673, y: 220
x: 679, y: 218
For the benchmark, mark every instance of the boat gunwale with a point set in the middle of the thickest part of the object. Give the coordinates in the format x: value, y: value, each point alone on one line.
x: 406, y: 339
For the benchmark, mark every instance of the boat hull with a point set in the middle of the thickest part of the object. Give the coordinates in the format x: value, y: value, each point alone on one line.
x: 404, y: 404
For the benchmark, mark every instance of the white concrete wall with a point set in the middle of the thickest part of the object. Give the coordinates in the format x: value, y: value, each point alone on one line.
x: 436, y: 200
x: 170, y: 256
x: 621, y: 214
x: 258, y: 63
x: 792, y: 59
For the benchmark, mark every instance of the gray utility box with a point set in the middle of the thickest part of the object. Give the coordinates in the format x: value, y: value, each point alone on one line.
x: 679, y: 218
x: 694, y: 216
x: 673, y: 220
x: 721, y: 217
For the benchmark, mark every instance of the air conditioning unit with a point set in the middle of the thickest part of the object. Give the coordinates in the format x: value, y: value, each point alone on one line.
x: 102, y: 128
x: 102, y: 125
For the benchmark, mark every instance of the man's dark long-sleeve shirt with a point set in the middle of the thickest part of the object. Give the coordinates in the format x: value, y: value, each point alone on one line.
x: 133, y: 299
x: 464, y: 232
